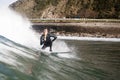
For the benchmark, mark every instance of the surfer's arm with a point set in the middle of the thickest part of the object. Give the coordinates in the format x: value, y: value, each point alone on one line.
x: 41, y: 40
x: 54, y: 37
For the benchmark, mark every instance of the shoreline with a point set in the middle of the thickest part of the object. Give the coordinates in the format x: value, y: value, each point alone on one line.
x: 81, y: 29
x: 71, y: 20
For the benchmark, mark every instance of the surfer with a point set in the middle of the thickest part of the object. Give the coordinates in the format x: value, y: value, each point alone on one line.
x: 46, y: 39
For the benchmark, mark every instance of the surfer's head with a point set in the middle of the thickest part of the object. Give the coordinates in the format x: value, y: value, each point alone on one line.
x: 45, y: 32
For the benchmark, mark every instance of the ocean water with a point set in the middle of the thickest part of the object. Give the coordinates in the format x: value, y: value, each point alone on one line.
x: 86, y: 60
x: 73, y: 58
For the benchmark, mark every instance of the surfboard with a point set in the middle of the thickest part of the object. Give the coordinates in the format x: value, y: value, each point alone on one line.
x: 62, y: 52
x: 53, y: 53
x: 44, y: 52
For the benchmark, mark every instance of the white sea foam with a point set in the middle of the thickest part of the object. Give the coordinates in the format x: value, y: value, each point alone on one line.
x: 90, y: 38
x: 15, y: 27
x: 18, y: 29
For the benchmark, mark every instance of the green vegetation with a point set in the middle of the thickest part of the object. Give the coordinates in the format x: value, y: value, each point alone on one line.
x: 42, y: 4
x: 107, y: 8
x: 104, y: 8
x: 77, y: 6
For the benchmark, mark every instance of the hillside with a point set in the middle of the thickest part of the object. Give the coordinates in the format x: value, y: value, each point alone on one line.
x: 68, y: 8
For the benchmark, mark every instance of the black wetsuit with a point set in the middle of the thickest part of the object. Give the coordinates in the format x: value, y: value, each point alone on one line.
x: 48, y: 41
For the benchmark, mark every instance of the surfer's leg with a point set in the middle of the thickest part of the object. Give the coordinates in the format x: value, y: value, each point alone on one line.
x: 50, y: 46
x: 43, y: 47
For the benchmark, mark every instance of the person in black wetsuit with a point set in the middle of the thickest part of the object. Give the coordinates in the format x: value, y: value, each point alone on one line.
x: 46, y: 40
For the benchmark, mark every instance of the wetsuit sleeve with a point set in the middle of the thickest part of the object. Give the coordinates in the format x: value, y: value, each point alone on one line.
x: 41, y: 40
x: 54, y: 36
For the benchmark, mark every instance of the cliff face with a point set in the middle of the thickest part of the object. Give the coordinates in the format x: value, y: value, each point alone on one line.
x: 68, y: 8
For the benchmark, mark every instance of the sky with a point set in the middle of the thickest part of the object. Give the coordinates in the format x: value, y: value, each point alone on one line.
x: 6, y: 2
